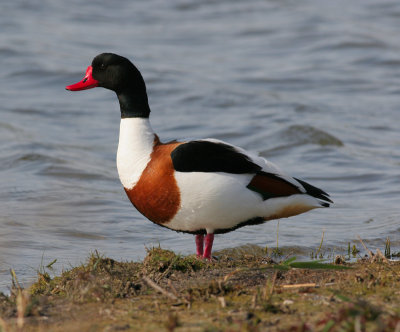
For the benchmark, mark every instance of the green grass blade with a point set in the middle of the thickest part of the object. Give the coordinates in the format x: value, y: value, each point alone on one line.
x: 281, y: 267
x: 328, y: 326
x: 50, y: 265
x: 317, y: 265
x: 289, y: 261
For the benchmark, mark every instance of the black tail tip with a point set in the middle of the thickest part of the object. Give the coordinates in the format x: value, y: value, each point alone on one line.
x: 323, y: 204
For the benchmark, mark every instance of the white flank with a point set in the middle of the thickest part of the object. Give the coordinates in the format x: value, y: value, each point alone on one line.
x: 136, y: 140
x: 214, y: 201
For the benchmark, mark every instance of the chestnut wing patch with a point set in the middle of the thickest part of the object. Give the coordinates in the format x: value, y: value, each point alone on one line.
x: 269, y: 185
x: 206, y: 156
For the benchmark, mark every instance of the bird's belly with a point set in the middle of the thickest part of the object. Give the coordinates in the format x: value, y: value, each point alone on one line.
x: 211, y: 201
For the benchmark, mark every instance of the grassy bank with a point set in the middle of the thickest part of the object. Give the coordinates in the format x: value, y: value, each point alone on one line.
x: 245, y: 290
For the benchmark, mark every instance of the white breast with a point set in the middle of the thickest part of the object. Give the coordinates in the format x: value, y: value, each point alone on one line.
x: 136, y: 140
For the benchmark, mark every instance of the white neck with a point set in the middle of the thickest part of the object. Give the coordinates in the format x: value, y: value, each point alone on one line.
x: 136, y: 141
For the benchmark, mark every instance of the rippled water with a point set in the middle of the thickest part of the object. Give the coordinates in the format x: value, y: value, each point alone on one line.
x: 313, y: 86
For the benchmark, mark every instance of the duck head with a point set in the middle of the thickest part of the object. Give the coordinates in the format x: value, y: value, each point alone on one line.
x: 116, y: 73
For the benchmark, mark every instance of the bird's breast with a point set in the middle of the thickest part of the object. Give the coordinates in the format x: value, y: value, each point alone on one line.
x: 156, y: 194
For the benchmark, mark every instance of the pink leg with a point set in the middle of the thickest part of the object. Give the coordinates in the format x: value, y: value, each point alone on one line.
x: 199, y: 244
x: 208, y: 243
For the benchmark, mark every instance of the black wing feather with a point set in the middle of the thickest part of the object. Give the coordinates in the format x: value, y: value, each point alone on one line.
x: 314, y: 191
x: 206, y: 156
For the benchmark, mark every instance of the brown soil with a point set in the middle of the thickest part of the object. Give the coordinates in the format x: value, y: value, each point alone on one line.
x: 242, y: 291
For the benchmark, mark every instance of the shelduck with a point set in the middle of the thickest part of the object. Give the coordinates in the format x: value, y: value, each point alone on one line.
x: 203, y: 186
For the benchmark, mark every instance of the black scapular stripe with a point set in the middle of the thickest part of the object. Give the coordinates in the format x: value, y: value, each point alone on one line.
x: 205, y: 156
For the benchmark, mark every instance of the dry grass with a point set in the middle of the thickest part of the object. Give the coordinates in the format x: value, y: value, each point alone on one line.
x: 174, y: 293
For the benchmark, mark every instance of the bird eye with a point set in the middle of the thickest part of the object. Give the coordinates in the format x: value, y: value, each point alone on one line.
x: 102, y: 66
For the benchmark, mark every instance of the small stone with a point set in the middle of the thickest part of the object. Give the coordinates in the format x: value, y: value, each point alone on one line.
x: 222, y: 301
x: 287, y: 303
